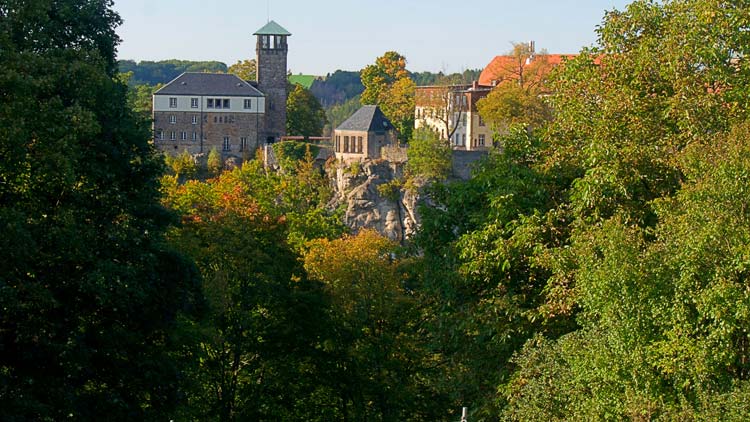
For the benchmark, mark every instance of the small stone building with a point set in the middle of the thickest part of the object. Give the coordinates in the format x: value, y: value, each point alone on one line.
x: 363, y: 134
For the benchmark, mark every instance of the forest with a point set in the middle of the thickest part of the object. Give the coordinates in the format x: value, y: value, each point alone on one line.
x: 595, y: 267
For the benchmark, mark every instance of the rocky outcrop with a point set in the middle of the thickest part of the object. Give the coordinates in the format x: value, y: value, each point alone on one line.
x: 372, y: 196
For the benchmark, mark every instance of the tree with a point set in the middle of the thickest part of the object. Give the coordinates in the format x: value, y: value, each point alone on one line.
x: 214, y: 162
x: 518, y: 98
x: 388, y: 85
x: 245, y: 69
x: 305, y: 115
x: 252, y: 354
x: 89, y: 290
x: 380, y: 364
x: 444, y: 103
x: 429, y: 156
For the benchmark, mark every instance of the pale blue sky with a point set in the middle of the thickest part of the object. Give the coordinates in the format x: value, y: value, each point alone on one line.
x: 336, y: 34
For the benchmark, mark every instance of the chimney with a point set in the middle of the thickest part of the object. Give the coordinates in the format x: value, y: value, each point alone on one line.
x: 532, y: 47
x: 474, y: 85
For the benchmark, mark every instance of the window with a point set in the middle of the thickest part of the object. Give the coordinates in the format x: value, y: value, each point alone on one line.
x: 160, y: 134
x: 353, y: 148
x: 359, y: 144
x: 183, y: 136
x: 195, y: 136
x: 221, y: 119
x: 338, y: 143
x: 227, y: 144
x: 172, y: 119
x: 346, y: 144
x: 210, y: 103
x: 248, y: 104
x: 243, y: 143
x: 463, y: 139
x: 172, y: 135
x: 481, y: 140
x: 194, y: 120
x: 226, y: 103
x: 217, y: 102
x: 194, y: 102
x: 172, y: 102
x: 481, y: 121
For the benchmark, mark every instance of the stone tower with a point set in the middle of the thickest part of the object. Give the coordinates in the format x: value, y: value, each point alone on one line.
x: 272, y: 78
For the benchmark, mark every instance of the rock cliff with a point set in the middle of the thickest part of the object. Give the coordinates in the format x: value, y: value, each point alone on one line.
x: 372, y: 197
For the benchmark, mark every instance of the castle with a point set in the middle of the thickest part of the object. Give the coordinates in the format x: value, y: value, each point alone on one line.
x: 200, y: 111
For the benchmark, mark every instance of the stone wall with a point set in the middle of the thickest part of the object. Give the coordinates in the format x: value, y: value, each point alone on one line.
x: 214, y: 128
x: 272, y: 82
x: 463, y: 162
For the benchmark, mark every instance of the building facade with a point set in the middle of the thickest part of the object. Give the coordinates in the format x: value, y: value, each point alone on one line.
x: 363, y: 135
x: 451, y: 111
x: 201, y: 111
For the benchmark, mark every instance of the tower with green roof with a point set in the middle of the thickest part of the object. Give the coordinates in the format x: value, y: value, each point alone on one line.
x: 271, y: 53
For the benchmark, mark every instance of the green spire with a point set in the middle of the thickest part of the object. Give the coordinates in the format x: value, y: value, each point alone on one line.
x: 272, y: 28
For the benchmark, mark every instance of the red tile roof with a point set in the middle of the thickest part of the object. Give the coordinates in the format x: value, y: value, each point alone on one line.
x: 504, y: 67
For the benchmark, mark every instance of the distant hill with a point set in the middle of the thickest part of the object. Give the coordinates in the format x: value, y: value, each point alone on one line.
x: 152, y: 73
x: 337, y: 88
x: 305, y: 80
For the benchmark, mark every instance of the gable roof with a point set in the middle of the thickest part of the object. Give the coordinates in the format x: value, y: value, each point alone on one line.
x: 223, y: 84
x: 272, y: 28
x: 369, y: 118
x: 500, y: 66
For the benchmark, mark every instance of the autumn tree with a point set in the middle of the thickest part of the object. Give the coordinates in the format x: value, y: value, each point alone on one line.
x: 387, y: 84
x: 521, y: 80
x: 252, y: 354
x: 380, y: 360
x: 244, y: 69
x: 89, y: 290
x: 305, y: 115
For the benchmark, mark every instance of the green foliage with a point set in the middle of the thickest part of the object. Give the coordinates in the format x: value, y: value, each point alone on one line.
x: 338, y: 113
x: 160, y: 72
x: 388, y: 85
x: 391, y: 190
x: 337, y: 88
x: 89, y: 290
x: 429, y: 156
x: 430, y: 78
x: 381, y: 365
x: 305, y: 115
x: 245, y: 69
x: 183, y: 165
x: 214, y: 162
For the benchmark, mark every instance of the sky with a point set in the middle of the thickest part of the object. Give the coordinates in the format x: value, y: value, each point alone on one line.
x: 433, y: 35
